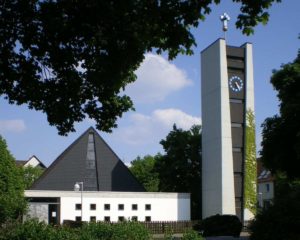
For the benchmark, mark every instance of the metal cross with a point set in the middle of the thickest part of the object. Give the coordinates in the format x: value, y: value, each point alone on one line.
x: 225, y: 18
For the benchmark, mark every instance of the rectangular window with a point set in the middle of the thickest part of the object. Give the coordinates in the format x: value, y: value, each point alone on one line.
x: 77, y: 206
x: 107, y: 219
x: 235, y: 149
x: 134, y: 218
x: 134, y: 207
x: 106, y: 206
x: 121, y: 207
x: 78, y: 219
x: 92, y: 206
x: 93, y: 219
x: 148, y: 207
x: 121, y: 218
x: 268, y: 187
x: 232, y: 100
x: 236, y: 125
x: 147, y: 219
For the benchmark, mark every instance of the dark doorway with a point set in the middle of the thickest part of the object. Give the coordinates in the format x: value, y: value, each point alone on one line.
x: 53, y: 214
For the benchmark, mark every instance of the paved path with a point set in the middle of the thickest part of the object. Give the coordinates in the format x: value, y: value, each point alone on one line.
x: 227, y: 238
x: 244, y: 236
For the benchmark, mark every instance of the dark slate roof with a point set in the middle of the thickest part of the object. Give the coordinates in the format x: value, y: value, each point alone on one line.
x: 89, y: 160
x: 21, y: 162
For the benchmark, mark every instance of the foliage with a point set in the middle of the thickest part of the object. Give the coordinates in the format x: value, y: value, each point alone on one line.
x: 282, y: 219
x: 281, y: 133
x: 130, y: 230
x: 180, y: 168
x: 143, y: 170
x: 250, y: 164
x: 72, y: 59
x: 222, y: 225
x: 30, y: 174
x: 34, y: 230
x: 191, y: 235
x: 12, y: 201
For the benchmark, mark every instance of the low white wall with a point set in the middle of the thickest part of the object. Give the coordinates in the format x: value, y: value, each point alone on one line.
x: 164, y: 206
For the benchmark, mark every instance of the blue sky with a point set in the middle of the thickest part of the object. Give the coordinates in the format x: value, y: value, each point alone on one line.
x: 167, y: 92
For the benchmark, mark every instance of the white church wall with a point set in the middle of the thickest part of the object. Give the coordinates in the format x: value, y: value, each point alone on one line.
x: 163, y: 206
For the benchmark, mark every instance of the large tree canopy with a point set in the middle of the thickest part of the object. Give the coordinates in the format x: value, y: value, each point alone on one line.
x: 179, y: 170
x: 281, y: 133
x: 71, y: 59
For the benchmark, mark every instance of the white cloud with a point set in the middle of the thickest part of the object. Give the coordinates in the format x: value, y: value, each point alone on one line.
x: 150, y: 129
x: 170, y: 116
x: 15, y: 125
x: 156, y: 79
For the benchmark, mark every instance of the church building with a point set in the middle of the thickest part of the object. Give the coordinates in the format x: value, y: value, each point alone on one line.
x: 89, y: 182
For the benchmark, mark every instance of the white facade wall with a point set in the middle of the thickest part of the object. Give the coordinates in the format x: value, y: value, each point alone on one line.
x: 164, y: 206
x: 217, y: 161
x: 33, y: 162
x: 265, y: 192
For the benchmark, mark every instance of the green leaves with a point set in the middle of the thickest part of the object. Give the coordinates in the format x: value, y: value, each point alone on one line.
x: 12, y: 201
x: 180, y: 168
x: 250, y: 197
x: 281, y: 133
x: 143, y: 169
x: 43, y: 42
x: 30, y: 174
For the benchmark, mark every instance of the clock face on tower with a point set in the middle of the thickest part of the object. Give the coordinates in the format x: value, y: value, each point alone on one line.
x: 236, y: 84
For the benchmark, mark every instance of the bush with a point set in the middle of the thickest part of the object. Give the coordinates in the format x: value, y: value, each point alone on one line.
x: 221, y: 225
x: 130, y: 230
x: 191, y: 235
x: 35, y: 230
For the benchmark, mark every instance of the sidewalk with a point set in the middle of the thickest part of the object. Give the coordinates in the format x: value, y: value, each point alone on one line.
x: 244, y: 236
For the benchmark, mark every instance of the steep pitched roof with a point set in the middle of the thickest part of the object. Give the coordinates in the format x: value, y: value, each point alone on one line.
x: 33, y: 161
x: 21, y: 163
x: 89, y: 160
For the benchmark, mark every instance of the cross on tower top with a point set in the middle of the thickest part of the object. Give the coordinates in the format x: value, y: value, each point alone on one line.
x: 225, y: 18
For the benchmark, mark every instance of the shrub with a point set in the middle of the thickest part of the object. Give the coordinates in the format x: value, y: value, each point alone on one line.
x: 130, y: 230
x: 191, y: 235
x: 99, y: 231
x: 35, y: 230
x: 221, y: 225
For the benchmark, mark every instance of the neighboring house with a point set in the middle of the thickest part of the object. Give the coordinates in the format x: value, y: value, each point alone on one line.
x: 265, y: 186
x: 33, y: 161
x: 107, y: 189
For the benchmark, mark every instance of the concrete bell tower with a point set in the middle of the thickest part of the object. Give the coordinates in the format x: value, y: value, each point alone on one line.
x: 228, y: 136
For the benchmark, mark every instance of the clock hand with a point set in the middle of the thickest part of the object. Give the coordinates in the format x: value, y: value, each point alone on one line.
x: 237, y: 85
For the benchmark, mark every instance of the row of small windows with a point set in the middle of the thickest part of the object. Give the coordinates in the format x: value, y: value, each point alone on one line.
x: 120, y: 218
x: 121, y: 207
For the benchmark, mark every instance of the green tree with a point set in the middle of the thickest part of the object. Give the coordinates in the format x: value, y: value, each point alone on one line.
x: 143, y: 170
x: 71, y: 59
x: 281, y: 220
x: 281, y: 154
x: 180, y: 168
x: 281, y: 133
x: 12, y: 201
x: 30, y: 174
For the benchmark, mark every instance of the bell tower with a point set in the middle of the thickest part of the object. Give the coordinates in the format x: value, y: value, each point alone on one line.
x: 228, y: 137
